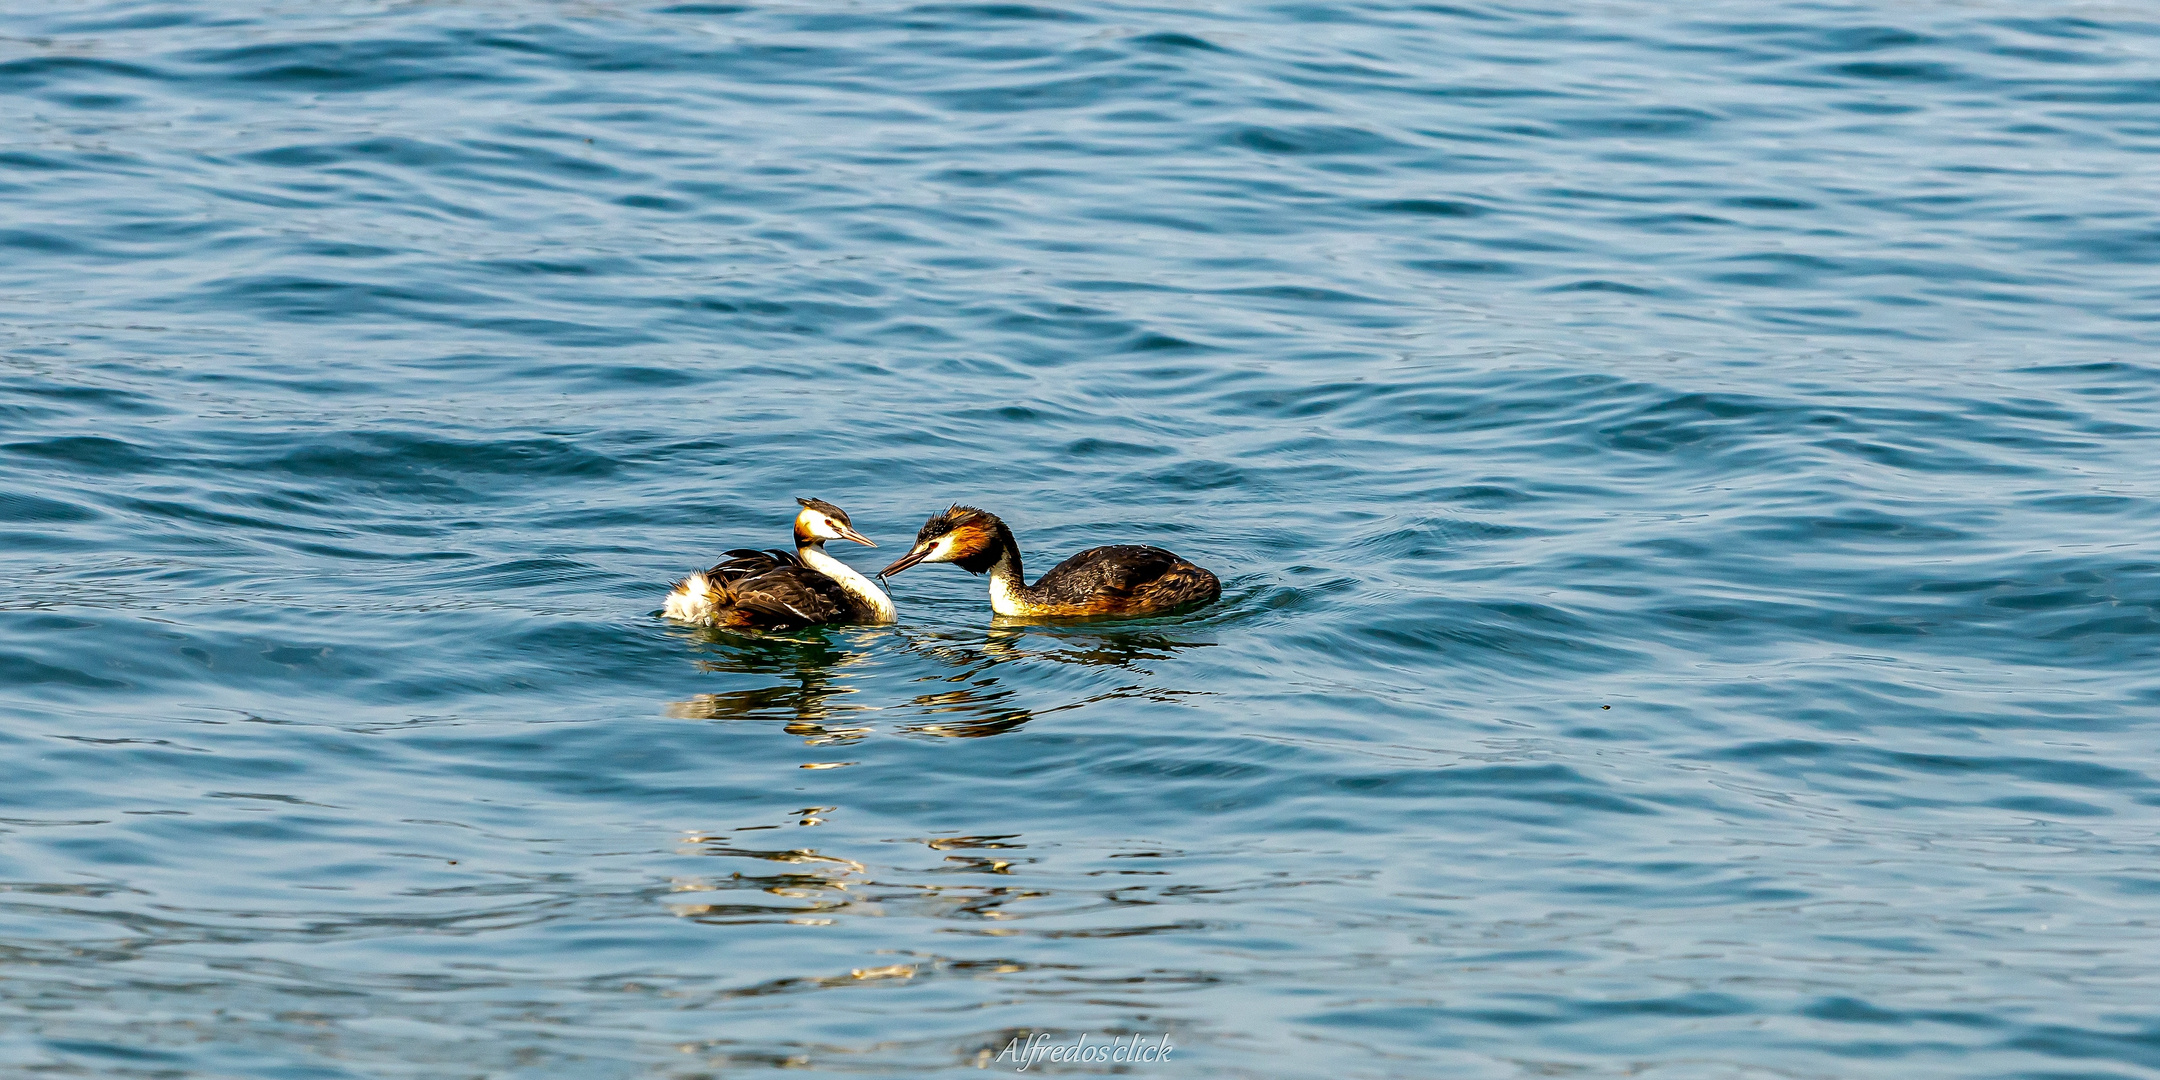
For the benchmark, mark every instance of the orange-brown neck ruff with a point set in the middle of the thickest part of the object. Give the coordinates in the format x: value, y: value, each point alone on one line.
x: 987, y: 542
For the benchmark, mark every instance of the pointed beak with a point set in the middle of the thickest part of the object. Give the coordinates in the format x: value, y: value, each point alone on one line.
x: 849, y: 533
x: 905, y: 561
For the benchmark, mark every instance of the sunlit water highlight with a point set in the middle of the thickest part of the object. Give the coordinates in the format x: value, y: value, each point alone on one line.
x: 1682, y: 476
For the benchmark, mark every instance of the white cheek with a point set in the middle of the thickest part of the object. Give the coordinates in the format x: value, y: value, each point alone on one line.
x: 942, y: 551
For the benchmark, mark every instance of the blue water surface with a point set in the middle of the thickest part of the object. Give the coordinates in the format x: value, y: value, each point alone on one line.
x: 1683, y: 477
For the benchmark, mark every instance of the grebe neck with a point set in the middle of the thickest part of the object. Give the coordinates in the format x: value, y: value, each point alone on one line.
x: 1008, y: 587
x: 812, y: 553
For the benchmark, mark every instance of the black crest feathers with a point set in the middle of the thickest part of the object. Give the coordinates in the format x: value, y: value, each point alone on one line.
x: 827, y: 509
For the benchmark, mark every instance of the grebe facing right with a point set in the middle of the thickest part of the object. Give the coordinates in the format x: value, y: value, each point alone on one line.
x: 769, y: 590
x: 1122, y: 579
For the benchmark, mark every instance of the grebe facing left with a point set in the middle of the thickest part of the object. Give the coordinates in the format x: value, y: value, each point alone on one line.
x: 769, y: 590
x: 1122, y: 579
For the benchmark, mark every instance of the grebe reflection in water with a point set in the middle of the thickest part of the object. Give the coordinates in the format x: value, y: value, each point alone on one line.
x: 814, y: 682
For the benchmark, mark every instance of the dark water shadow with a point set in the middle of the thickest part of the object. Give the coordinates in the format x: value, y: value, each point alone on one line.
x: 980, y: 680
x: 981, y: 703
x: 1094, y: 644
x: 811, y: 702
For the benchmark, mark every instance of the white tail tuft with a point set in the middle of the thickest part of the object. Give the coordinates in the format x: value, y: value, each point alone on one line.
x: 692, y: 600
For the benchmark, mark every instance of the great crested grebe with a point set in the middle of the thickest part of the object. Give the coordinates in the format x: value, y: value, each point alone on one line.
x: 769, y: 590
x: 1122, y: 579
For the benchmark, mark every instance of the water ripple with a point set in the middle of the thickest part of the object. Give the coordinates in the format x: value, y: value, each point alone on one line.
x: 1680, y: 481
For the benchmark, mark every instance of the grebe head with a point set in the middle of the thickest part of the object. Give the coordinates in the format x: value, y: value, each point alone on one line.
x: 820, y: 521
x: 961, y: 535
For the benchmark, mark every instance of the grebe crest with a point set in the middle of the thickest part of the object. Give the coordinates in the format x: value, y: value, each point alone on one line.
x: 965, y: 535
x: 820, y: 521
